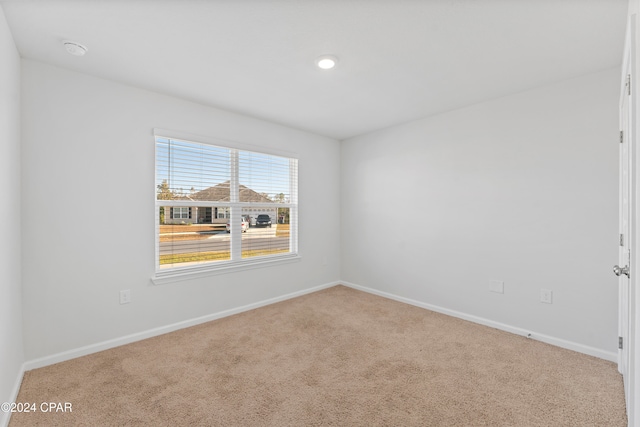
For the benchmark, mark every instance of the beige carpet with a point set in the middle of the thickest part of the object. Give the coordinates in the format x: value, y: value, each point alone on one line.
x: 337, y: 357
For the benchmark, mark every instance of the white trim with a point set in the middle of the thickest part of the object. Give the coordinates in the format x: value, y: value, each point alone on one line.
x: 187, y: 272
x: 222, y: 143
x: 5, y: 417
x: 558, y: 342
x: 235, y: 249
x: 116, y: 342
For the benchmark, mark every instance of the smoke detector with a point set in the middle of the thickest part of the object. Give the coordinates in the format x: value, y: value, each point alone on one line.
x: 74, y: 48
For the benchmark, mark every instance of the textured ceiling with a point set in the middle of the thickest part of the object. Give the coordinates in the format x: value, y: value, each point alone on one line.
x: 399, y: 60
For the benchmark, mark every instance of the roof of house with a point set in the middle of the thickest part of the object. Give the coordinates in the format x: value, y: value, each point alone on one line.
x: 221, y: 193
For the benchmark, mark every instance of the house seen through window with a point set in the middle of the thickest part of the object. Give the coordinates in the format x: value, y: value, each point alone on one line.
x: 219, y: 206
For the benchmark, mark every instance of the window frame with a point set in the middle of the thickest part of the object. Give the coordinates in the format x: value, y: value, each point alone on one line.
x: 237, y: 208
x: 188, y: 212
x: 225, y: 211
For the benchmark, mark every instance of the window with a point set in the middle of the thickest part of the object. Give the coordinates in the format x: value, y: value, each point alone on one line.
x: 180, y: 212
x: 193, y: 178
x: 224, y: 213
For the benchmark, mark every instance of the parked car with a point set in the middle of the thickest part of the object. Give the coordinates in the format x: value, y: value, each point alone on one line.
x: 263, y: 220
x: 244, y: 225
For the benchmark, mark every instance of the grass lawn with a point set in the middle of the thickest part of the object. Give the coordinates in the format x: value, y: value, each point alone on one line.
x: 282, y: 230
x: 169, y: 233
x: 172, y: 233
x: 215, y: 256
x: 194, y: 228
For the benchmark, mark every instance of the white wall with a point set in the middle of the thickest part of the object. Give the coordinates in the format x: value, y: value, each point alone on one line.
x: 521, y: 189
x: 88, y: 147
x: 11, y: 347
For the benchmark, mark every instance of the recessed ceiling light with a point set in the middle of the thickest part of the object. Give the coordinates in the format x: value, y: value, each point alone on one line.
x: 326, y: 62
x: 74, y: 48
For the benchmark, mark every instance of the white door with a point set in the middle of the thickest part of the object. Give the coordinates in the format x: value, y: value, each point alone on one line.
x: 624, y: 258
x: 626, y: 268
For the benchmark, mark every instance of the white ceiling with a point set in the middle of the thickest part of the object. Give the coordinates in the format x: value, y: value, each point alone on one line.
x: 399, y: 59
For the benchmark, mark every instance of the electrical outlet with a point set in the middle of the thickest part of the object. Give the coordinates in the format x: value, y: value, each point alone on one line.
x: 546, y: 296
x: 496, y: 286
x: 125, y: 296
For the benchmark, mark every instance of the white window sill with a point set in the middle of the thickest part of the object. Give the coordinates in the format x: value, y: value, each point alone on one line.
x: 189, y: 273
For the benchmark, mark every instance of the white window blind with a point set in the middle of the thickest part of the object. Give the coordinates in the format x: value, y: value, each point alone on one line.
x: 202, y: 193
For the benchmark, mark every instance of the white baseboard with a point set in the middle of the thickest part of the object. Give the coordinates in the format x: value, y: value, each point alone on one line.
x: 105, y: 345
x: 558, y: 342
x: 5, y: 417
